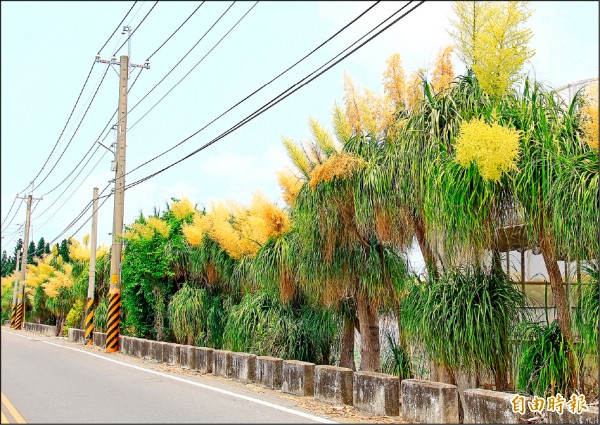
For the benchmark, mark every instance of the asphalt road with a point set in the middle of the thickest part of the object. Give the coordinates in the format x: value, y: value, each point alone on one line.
x: 51, y: 380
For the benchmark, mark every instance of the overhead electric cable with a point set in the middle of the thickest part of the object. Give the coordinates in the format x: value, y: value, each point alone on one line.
x: 254, y: 92
x: 88, y: 220
x: 73, y: 193
x: 9, y: 210
x: 77, y: 101
x: 118, y: 26
x: 73, y: 181
x: 80, y: 214
x: 175, y: 32
x: 136, y: 28
x: 73, y: 136
x: 274, y: 102
x: 181, y: 60
x: 15, y: 214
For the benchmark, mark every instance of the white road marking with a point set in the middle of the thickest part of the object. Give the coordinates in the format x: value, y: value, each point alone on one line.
x: 197, y: 384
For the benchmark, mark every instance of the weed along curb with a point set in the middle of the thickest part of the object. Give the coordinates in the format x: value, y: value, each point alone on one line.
x: 413, y: 400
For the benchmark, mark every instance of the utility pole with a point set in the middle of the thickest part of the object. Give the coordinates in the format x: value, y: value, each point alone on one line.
x: 20, y: 314
x: 114, y: 292
x: 15, y: 289
x: 89, y: 308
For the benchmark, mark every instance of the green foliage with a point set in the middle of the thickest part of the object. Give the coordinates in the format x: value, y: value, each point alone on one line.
x: 31, y: 253
x: 263, y: 325
x: 543, y: 367
x: 73, y: 319
x: 586, y: 317
x: 397, y: 360
x: 464, y: 319
x: 38, y: 308
x: 63, y: 250
x: 187, y: 314
x: 198, y: 318
x: 6, y: 302
x: 101, y: 315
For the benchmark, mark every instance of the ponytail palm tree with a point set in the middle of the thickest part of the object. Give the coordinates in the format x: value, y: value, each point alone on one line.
x: 556, y: 184
x: 345, y: 253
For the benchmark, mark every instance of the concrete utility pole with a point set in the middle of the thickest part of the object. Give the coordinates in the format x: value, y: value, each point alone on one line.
x: 20, y: 312
x: 114, y: 292
x: 15, y: 289
x: 89, y: 308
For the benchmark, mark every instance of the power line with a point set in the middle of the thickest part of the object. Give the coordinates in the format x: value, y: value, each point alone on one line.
x: 175, y: 32
x: 80, y: 214
x: 93, y: 212
x: 9, y: 210
x: 275, y: 101
x: 99, y: 136
x: 64, y: 128
x: 118, y: 26
x: 76, y: 102
x: 73, y: 193
x: 180, y: 60
x: 73, y: 181
x: 15, y: 214
x: 73, y: 136
x: 136, y: 28
x: 255, y: 91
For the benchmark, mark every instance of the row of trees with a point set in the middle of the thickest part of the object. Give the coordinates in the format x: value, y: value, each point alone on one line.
x: 8, y: 263
x: 451, y: 162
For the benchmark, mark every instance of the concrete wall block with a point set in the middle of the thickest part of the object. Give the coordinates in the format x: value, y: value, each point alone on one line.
x: 187, y: 356
x: 298, y: 378
x: 333, y: 384
x: 81, y: 336
x: 136, y: 347
x: 222, y: 363
x: 589, y: 416
x: 268, y: 372
x: 49, y: 330
x: 145, y: 349
x: 150, y: 353
x: 487, y: 406
x: 124, y: 343
x: 243, y: 367
x: 159, y: 346
x: 71, y: 334
x: 132, y: 346
x: 429, y: 402
x: 173, y: 354
x: 99, y: 339
x: 204, y: 359
x: 166, y: 351
x: 377, y: 393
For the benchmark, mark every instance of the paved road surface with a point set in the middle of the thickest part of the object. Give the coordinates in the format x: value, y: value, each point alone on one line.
x: 50, y: 380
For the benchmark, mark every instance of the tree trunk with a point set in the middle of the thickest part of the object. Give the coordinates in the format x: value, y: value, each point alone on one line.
x: 426, y: 250
x: 370, y: 359
x: 347, y: 354
x: 560, y: 298
x: 558, y: 291
x: 59, y: 325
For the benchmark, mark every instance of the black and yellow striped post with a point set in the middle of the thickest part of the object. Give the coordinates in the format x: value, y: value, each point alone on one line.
x: 19, y: 313
x: 114, y: 318
x: 13, y: 313
x: 114, y: 293
x: 89, y: 308
x: 89, y: 322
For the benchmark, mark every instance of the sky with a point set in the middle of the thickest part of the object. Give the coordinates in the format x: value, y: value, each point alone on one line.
x: 47, y: 49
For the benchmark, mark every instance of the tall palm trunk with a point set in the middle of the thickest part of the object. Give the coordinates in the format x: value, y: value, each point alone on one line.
x: 370, y: 351
x: 426, y: 250
x: 558, y: 291
x: 347, y: 354
x: 560, y: 297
